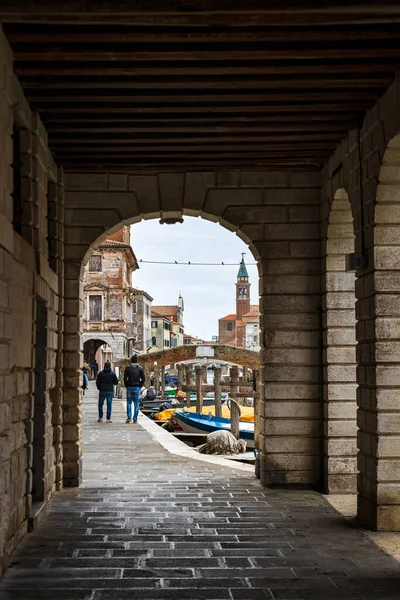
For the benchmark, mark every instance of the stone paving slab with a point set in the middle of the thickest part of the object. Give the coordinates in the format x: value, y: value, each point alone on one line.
x: 151, y: 525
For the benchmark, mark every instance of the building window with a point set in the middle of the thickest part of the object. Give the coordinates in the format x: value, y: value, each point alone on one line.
x: 95, y: 263
x: 154, y: 341
x: 147, y: 310
x: 154, y: 324
x: 174, y: 342
x: 230, y: 326
x: 166, y: 343
x: 134, y: 307
x: 167, y: 326
x: 95, y: 308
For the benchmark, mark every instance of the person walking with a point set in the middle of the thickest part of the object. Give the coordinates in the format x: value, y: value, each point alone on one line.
x: 105, y: 382
x: 134, y: 380
x: 95, y: 368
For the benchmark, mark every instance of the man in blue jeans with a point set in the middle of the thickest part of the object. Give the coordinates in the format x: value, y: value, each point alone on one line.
x: 134, y: 381
x: 105, y: 382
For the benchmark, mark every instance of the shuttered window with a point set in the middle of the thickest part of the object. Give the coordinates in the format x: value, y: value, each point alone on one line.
x: 95, y: 313
x: 95, y: 263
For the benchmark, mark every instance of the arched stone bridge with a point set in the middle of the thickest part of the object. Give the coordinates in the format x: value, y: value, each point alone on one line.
x: 232, y: 354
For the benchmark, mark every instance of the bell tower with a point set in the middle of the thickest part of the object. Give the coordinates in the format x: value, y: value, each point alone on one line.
x: 242, y: 291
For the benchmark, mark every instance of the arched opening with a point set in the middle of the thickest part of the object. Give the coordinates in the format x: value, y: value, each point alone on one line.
x: 96, y: 350
x: 379, y: 338
x: 281, y: 228
x: 340, y: 387
x: 131, y: 312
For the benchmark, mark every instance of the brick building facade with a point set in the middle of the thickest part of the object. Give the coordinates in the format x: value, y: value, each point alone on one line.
x: 109, y: 301
x: 241, y: 328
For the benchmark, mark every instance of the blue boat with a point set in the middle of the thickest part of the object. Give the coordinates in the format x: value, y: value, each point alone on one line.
x: 195, y: 423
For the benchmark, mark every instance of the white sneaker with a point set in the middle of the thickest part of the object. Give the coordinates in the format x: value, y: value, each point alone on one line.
x: 108, y: 421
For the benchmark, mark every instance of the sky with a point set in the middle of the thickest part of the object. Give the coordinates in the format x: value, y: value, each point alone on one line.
x: 208, y: 291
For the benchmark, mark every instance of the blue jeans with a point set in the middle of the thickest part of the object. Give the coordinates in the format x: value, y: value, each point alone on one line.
x: 108, y: 396
x: 132, y: 395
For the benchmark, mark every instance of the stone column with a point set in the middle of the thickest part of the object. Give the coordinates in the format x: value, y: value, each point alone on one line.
x: 56, y: 245
x: 72, y: 375
x: 204, y: 374
x: 378, y: 352
x: 162, y: 370
x: 199, y: 391
x: 256, y: 404
x: 217, y: 391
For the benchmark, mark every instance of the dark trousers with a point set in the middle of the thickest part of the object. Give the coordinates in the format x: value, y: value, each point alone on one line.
x: 108, y: 396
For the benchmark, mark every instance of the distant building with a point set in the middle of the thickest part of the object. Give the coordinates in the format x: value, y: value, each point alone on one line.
x: 241, y: 328
x: 142, y: 319
x: 174, y: 313
x: 191, y: 340
x: 161, y: 327
x: 109, y: 303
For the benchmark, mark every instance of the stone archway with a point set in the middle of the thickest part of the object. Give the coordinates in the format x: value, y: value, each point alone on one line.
x: 277, y: 215
x: 90, y: 347
x: 379, y: 341
x: 340, y: 380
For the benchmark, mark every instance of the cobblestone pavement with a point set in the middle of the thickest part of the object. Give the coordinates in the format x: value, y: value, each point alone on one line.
x: 149, y: 525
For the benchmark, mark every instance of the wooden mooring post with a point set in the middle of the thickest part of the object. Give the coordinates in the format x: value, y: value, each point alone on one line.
x: 217, y: 391
x: 163, y: 382
x: 234, y: 374
x: 180, y: 369
x: 188, y: 382
x: 157, y: 379
x: 235, y: 417
x: 199, y: 390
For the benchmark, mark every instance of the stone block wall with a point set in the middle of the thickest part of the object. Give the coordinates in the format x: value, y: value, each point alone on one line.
x: 31, y: 300
x: 366, y: 166
x: 277, y: 214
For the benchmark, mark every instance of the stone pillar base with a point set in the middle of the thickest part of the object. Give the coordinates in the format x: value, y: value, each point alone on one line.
x: 73, y: 474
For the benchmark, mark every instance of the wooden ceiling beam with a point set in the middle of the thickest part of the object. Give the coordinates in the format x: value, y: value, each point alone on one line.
x: 39, y: 53
x: 199, y: 12
x: 74, y: 69
x: 198, y: 97
x: 202, y: 129
x: 112, y: 108
x: 53, y: 34
x: 91, y: 138
x: 270, y: 83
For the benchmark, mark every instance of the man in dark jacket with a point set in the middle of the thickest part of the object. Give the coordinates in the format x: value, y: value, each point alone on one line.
x: 105, y: 382
x: 134, y: 380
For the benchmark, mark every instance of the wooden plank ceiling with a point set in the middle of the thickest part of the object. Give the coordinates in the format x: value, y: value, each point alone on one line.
x: 201, y: 84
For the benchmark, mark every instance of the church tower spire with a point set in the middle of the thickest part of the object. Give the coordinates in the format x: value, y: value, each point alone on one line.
x: 242, y: 291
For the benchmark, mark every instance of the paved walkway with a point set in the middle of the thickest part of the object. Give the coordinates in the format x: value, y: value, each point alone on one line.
x: 150, y: 525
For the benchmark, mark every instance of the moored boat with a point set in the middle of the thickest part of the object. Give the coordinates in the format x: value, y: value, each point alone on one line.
x: 195, y: 423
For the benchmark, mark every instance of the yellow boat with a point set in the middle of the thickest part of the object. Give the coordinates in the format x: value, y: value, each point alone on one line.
x: 247, y: 413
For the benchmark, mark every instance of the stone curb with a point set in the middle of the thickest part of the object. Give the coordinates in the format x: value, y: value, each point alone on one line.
x: 179, y: 448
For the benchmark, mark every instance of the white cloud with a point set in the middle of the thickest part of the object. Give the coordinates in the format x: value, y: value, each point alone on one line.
x: 208, y: 291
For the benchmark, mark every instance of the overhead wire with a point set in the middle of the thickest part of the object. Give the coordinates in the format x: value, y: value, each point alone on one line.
x: 192, y: 264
